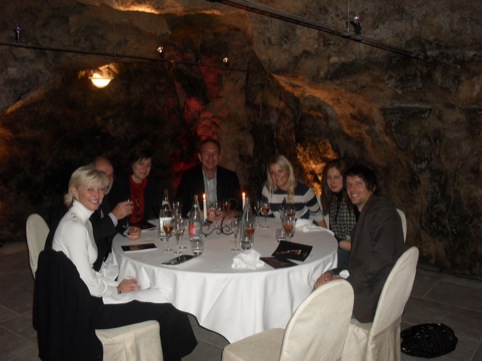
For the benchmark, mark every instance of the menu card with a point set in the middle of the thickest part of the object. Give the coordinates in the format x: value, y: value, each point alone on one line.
x: 277, y: 262
x: 144, y: 225
x: 138, y: 247
x: 292, y: 250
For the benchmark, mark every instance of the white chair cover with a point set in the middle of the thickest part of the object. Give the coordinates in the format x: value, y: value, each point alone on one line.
x: 404, y: 223
x: 139, y: 341
x: 380, y: 340
x: 37, y: 231
x: 316, y: 331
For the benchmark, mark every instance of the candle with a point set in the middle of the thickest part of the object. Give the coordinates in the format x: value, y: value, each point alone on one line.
x: 205, y: 208
x: 244, y: 198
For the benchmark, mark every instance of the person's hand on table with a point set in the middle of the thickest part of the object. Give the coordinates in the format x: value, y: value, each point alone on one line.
x: 134, y: 233
x: 128, y: 285
x: 325, y: 278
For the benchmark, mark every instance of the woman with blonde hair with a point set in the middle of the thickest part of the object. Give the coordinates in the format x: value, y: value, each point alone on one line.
x: 74, y: 237
x: 282, y: 187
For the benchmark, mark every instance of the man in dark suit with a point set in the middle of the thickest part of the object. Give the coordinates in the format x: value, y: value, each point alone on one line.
x: 104, y: 220
x: 377, y: 243
x: 216, y: 182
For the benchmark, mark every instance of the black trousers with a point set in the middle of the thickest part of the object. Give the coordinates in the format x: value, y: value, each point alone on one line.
x: 177, y: 336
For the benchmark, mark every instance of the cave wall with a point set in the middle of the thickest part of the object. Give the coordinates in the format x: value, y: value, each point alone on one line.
x: 286, y: 88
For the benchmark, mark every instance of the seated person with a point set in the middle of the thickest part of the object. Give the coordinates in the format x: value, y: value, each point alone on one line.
x: 337, y: 205
x: 216, y: 182
x: 281, y: 186
x: 73, y: 237
x: 104, y: 220
x: 139, y: 189
x: 377, y: 243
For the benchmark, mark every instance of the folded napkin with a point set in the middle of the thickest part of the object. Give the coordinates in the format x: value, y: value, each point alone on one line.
x: 307, y: 225
x: 248, y: 259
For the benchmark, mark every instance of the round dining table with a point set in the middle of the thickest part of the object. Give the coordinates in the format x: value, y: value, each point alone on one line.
x: 234, y: 302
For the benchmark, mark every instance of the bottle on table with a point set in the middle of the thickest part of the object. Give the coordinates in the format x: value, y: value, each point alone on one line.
x: 247, y: 225
x: 195, y: 224
x: 164, y: 214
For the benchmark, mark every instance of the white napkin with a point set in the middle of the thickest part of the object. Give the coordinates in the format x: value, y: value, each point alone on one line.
x: 248, y: 259
x: 307, y: 225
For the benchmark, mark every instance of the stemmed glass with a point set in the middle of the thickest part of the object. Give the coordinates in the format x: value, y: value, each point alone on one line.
x: 289, y: 225
x: 168, y: 226
x: 257, y: 209
x: 265, y: 209
x: 177, y: 209
x: 235, y: 229
x: 226, y: 206
x: 214, y: 208
x: 180, y: 226
x: 249, y: 231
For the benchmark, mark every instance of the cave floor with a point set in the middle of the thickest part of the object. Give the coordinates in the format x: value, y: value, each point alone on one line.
x: 436, y: 297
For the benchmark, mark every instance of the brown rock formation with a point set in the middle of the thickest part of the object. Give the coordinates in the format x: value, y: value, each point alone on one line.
x: 404, y: 97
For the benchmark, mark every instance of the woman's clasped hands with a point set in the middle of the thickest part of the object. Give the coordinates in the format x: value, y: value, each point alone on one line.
x: 128, y: 285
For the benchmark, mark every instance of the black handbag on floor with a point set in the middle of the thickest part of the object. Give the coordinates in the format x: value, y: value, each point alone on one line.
x: 428, y: 340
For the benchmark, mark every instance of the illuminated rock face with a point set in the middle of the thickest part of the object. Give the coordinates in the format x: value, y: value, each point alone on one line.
x: 284, y: 88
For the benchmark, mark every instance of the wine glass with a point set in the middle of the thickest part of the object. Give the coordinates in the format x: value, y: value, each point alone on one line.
x: 168, y: 226
x: 249, y: 228
x: 235, y: 229
x: 177, y: 209
x: 180, y: 226
x: 212, y: 209
x: 289, y: 226
x: 226, y: 206
x: 265, y: 209
x: 257, y: 209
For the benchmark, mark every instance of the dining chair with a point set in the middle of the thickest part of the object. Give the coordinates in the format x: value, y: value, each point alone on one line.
x: 380, y: 339
x: 139, y: 341
x: 316, y: 331
x: 63, y: 316
x: 37, y: 231
x: 403, y: 218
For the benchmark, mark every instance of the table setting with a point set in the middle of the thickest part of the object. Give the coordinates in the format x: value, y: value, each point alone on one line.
x: 222, y: 278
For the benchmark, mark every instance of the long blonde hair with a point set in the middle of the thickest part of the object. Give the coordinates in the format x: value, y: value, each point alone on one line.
x: 282, y: 162
x: 84, y: 175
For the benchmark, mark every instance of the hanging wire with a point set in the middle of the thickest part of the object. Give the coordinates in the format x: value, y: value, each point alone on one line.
x: 297, y: 20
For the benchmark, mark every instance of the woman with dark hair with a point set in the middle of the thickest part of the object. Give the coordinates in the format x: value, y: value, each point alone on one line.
x: 144, y: 194
x: 74, y: 239
x: 337, y: 205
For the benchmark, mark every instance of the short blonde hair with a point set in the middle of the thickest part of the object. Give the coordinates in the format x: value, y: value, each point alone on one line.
x: 282, y: 162
x: 84, y: 175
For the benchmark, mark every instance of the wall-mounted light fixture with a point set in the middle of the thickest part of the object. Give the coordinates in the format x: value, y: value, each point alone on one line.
x: 99, y: 80
x: 102, y: 76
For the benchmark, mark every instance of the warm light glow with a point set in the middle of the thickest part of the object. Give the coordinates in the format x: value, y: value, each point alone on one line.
x: 99, y: 81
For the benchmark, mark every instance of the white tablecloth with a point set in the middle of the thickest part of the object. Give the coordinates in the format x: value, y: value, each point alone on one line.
x: 233, y: 302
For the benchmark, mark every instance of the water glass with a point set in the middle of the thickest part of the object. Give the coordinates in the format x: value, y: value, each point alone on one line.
x: 197, y: 245
x: 280, y: 234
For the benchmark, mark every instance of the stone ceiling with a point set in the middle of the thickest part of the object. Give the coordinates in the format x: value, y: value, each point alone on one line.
x: 305, y: 87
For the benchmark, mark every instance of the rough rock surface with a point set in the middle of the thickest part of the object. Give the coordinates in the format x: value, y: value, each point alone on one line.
x: 287, y: 87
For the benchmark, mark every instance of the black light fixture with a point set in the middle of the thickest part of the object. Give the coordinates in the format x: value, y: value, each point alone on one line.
x: 356, y: 25
x: 17, y: 33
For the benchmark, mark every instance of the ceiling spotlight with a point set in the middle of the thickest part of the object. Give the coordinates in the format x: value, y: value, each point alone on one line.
x: 356, y: 25
x: 226, y: 61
